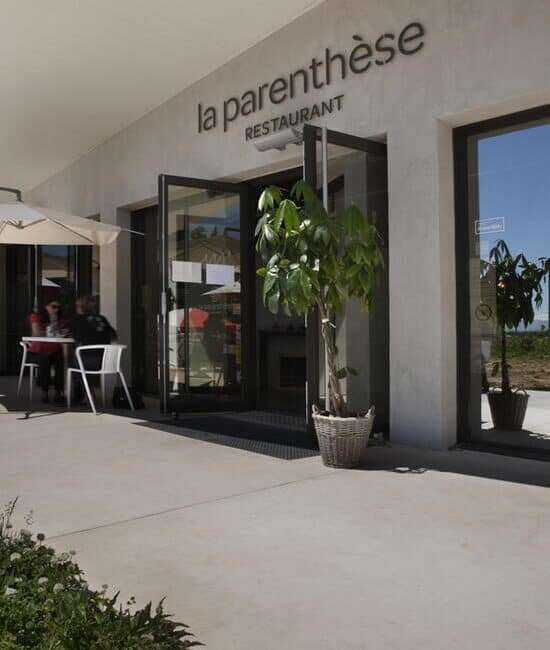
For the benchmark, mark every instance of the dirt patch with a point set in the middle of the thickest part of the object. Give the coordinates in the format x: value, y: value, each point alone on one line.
x: 529, y: 373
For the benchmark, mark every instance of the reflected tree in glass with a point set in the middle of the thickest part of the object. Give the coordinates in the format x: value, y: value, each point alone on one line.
x: 517, y: 286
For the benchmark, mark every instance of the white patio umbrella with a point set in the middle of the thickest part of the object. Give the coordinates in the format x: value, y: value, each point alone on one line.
x: 49, y: 283
x: 21, y: 223
x: 226, y: 288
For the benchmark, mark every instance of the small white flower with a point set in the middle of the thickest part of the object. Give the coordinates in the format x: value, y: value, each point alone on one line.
x: 10, y: 591
x: 57, y: 587
x: 15, y: 556
x: 18, y: 579
x: 42, y: 581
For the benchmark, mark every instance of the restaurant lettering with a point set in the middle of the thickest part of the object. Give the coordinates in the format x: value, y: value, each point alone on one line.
x: 294, y: 118
x: 321, y: 72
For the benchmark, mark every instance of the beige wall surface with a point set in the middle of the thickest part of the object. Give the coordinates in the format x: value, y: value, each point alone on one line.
x: 479, y: 60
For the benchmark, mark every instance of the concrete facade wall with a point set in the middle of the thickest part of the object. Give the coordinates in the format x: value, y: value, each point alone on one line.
x: 480, y: 60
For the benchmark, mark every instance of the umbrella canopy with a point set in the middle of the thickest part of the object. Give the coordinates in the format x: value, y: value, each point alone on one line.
x: 226, y: 288
x: 49, y: 283
x: 25, y: 224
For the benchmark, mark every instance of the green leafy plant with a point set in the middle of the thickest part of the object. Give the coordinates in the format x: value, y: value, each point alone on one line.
x: 517, y: 285
x: 45, y: 603
x: 315, y: 260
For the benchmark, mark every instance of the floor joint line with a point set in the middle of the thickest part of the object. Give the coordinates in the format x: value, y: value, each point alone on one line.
x: 191, y: 505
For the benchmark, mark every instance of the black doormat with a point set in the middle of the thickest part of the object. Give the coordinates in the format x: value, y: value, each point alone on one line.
x: 268, y: 440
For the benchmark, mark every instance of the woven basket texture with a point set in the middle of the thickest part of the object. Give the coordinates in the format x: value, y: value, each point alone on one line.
x: 342, y: 441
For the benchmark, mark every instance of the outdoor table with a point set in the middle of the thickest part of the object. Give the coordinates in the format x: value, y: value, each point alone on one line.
x: 65, y: 341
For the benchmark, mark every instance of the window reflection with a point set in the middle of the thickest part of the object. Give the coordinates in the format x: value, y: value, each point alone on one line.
x: 509, y: 206
x: 205, y: 298
x: 58, y: 274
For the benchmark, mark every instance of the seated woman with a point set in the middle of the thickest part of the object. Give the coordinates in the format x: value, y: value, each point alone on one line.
x: 48, y: 355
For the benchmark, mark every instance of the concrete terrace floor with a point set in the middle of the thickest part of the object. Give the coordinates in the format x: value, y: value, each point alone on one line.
x: 259, y: 553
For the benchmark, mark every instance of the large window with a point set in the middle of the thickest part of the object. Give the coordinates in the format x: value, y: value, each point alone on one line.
x: 63, y: 273
x: 58, y: 274
x: 503, y: 243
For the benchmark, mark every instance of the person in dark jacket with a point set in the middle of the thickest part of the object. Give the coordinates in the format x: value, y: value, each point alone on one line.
x: 89, y: 328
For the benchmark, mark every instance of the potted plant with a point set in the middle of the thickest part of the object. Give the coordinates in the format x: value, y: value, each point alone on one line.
x: 312, y: 260
x: 517, y: 285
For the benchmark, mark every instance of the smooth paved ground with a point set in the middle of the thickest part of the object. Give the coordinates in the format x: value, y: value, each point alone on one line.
x: 257, y: 553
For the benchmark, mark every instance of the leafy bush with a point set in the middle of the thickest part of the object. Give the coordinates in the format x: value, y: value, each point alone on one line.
x: 45, y: 603
x: 529, y: 344
x: 517, y: 285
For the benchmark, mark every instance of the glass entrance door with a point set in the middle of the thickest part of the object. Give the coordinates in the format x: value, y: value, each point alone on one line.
x: 203, y: 246
x: 208, y: 343
x: 346, y: 169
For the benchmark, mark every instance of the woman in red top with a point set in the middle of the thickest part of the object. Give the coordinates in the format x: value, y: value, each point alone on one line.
x: 45, y: 323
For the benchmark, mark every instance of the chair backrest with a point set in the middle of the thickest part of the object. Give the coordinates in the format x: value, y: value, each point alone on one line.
x: 111, y: 356
x: 25, y: 345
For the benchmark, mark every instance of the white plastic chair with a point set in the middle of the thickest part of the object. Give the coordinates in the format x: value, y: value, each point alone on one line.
x: 33, y: 369
x: 109, y: 366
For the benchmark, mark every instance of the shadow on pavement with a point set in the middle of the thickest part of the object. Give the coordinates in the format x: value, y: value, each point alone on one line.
x: 411, y: 461
x: 275, y: 441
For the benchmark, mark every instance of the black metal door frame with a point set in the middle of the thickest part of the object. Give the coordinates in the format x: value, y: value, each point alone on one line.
x: 164, y: 181
x: 312, y: 136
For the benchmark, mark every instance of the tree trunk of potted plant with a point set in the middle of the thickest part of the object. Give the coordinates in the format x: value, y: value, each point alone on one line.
x: 335, y: 397
x: 343, y: 438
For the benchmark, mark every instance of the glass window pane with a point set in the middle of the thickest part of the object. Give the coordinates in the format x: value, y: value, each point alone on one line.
x: 204, y: 266
x: 95, y: 274
x: 509, y: 207
x: 357, y: 177
x: 57, y: 274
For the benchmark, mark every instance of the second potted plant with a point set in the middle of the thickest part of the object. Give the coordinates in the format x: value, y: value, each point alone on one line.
x: 517, y: 286
x: 312, y: 260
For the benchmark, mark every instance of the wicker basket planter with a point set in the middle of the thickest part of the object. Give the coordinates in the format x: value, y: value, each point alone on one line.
x: 508, y: 409
x: 342, y: 441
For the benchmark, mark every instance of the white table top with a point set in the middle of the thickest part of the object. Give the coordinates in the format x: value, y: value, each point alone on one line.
x: 47, y: 339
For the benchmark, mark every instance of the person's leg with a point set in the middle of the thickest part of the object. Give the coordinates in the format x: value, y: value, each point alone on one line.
x: 58, y: 363
x: 44, y: 372
x: 44, y: 375
x: 90, y: 361
x: 78, y: 387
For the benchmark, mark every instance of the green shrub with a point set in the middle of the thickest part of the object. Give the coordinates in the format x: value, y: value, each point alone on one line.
x: 45, y: 603
x: 535, y: 345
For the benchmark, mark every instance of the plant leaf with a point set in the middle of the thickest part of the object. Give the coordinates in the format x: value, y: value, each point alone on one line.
x: 288, y: 214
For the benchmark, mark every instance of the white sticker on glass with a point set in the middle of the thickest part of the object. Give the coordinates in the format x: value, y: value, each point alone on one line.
x: 187, y: 272
x: 220, y: 274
